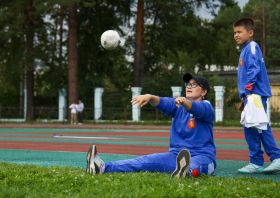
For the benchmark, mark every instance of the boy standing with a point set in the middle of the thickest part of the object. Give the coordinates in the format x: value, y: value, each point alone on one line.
x: 253, y: 79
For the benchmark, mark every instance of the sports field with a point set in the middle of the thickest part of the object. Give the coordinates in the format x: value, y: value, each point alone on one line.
x: 67, y: 146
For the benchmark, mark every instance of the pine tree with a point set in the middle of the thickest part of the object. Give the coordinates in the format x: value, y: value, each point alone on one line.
x: 138, y: 67
x: 258, y: 10
x: 227, y: 51
x: 273, y: 39
x: 72, y: 58
x: 98, y: 67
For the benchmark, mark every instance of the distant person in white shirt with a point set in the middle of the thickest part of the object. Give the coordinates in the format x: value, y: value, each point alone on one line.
x: 73, y: 108
x: 80, y: 110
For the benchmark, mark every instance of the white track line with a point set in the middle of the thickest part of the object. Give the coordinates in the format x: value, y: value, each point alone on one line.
x: 82, y: 137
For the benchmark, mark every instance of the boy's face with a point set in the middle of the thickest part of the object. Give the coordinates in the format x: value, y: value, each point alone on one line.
x: 241, y: 35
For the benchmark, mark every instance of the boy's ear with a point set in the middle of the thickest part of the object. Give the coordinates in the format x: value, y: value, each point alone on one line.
x: 251, y: 33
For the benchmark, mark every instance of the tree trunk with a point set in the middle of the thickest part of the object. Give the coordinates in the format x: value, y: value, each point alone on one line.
x: 72, y: 57
x: 151, y: 43
x: 60, y: 38
x: 263, y: 50
x: 30, y: 62
x: 138, y: 67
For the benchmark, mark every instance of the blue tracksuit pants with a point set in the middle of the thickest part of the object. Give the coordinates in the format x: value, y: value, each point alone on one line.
x: 160, y: 162
x: 255, y: 139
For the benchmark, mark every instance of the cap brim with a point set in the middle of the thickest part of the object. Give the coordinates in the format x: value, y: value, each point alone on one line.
x: 187, y: 77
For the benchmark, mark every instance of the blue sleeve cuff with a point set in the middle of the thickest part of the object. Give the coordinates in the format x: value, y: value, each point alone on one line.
x: 247, y: 92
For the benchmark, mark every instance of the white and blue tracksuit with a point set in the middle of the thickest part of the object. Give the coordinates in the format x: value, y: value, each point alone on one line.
x: 253, y: 79
x: 192, y: 130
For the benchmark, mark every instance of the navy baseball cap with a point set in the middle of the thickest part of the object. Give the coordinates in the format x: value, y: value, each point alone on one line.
x: 200, y: 80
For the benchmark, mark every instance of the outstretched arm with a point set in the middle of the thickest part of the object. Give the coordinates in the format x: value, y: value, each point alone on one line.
x: 142, y: 100
x: 187, y: 104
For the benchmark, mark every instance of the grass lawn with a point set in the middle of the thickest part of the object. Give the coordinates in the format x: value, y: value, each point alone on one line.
x: 40, y: 181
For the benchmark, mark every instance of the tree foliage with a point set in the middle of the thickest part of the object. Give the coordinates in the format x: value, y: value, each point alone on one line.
x: 273, y: 39
x: 176, y: 41
x: 226, y: 52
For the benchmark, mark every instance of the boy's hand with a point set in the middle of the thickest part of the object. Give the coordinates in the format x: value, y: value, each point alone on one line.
x: 242, y: 99
x: 142, y: 100
x: 179, y: 100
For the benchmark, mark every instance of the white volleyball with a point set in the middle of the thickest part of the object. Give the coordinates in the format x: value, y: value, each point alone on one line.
x: 110, y: 40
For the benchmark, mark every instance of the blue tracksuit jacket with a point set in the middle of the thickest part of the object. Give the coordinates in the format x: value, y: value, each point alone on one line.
x: 252, y: 75
x: 194, y: 134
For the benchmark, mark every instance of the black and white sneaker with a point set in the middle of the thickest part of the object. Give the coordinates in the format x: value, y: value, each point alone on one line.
x: 183, y: 162
x: 94, y: 164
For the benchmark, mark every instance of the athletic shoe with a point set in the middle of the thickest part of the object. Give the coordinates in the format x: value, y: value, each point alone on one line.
x: 183, y: 162
x: 251, y: 168
x: 80, y: 123
x: 273, y: 167
x: 94, y: 164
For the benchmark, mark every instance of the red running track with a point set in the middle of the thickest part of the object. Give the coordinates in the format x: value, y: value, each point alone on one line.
x: 222, y: 154
x: 217, y: 135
